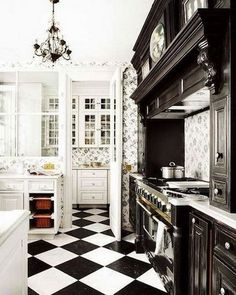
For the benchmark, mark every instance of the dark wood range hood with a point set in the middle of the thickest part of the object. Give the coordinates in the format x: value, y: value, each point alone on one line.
x: 191, y: 61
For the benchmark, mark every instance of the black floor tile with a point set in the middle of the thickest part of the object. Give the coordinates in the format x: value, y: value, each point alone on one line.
x: 137, y: 287
x: 40, y: 246
x: 81, y: 233
x: 107, y: 222
x: 79, y: 267
x: 105, y: 214
x: 32, y: 292
x: 121, y: 247
x: 82, y: 222
x: 80, y: 247
x: 82, y: 214
x: 76, y: 289
x: 131, y: 267
x: 35, y: 266
x: 108, y: 232
x: 125, y: 233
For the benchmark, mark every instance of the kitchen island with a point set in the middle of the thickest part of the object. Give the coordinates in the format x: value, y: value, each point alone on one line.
x: 13, y: 252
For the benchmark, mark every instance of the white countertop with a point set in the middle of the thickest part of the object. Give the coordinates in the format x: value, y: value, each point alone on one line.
x: 136, y: 175
x: 205, y: 207
x: 27, y: 176
x: 9, y: 220
x: 90, y: 168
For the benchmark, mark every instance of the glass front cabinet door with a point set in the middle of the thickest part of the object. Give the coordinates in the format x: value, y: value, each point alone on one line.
x: 94, y: 121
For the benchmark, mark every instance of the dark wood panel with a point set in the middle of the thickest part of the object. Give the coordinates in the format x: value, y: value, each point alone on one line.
x: 225, y: 245
x: 224, y: 279
x: 199, y: 255
x: 219, y: 153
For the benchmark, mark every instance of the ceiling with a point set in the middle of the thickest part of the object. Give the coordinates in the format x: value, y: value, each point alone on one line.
x: 96, y: 30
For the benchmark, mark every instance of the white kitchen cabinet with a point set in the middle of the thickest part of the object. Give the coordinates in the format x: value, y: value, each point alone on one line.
x: 94, y: 121
x: 92, y: 186
x: 11, y: 195
x: 75, y: 120
x: 13, y: 252
x: 11, y: 201
x: 74, y: 187
x: 44, y: 220
x: 32, y: 193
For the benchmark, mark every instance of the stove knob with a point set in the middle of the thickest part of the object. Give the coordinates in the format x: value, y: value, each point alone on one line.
x: 163, y: 207
x: 168, y: 207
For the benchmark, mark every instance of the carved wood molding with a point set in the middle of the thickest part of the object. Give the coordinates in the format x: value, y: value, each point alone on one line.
x: 206, y: 24
x: 209, y: 66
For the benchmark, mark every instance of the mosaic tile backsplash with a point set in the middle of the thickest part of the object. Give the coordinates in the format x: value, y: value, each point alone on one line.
x: 87, y: 155
x: 197, y: 146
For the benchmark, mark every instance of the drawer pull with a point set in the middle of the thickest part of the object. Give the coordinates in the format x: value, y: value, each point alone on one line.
x: 217, y: 192
x: 222, y: 291
x: 219, y: 156
x: 193, y: 220
x: 227, y: 245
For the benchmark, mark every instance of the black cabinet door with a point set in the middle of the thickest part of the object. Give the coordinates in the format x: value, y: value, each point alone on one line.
x: 220, y: 157
x: 132, y: 201
x: 224, y: 279
x: 219, y: 114
x: 199, y: 255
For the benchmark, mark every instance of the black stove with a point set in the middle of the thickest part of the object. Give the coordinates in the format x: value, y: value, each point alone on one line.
x: 160, y: 183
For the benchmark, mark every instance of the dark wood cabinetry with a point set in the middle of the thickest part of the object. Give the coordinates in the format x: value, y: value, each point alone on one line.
x: 212, y: 256
x: 224, y: 279
x: 199, y: 255
x: 224, y: 261
x: 132, y: 201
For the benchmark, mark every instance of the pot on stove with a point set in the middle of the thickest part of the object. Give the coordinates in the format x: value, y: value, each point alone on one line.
x: 172, y: 171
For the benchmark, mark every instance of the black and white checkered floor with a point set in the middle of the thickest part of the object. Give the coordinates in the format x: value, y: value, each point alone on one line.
x: 87, y: 259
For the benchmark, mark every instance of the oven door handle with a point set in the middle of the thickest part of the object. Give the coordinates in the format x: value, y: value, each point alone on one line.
x: 141, y: 205
x: 168, y: 228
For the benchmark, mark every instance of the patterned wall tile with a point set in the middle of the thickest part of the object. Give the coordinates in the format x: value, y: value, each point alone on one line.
x: 130, y: 138
x: 197, y: 146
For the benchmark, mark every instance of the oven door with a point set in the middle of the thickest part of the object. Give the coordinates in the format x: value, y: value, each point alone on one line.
x: 158, y: 244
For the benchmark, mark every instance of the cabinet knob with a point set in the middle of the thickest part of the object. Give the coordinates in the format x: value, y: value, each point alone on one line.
x: 227, y: 245
x: 193, y: 220
x: 217, y: 192
x: 222, y: 291
x: 219, y: 156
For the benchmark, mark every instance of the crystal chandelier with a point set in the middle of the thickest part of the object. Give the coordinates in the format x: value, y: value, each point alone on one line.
x: 54, y: 46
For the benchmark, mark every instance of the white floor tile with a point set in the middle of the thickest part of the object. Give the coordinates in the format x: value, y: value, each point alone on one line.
x: 130, y: 238
x: 56, y: 256
x: 152, y: 278
x: 107, y: 281
x: 96, y: 218
x: 95, y: 211
x: 99, y: 239
x: 141, y: 257
x: 50, y: 281
x: 103, y: 256
x: 62, y: 239
x: 64, y: 230
x: 75, y: 211
x: 31, y: 241
x: 97, y: 227
x: 75, y: 218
